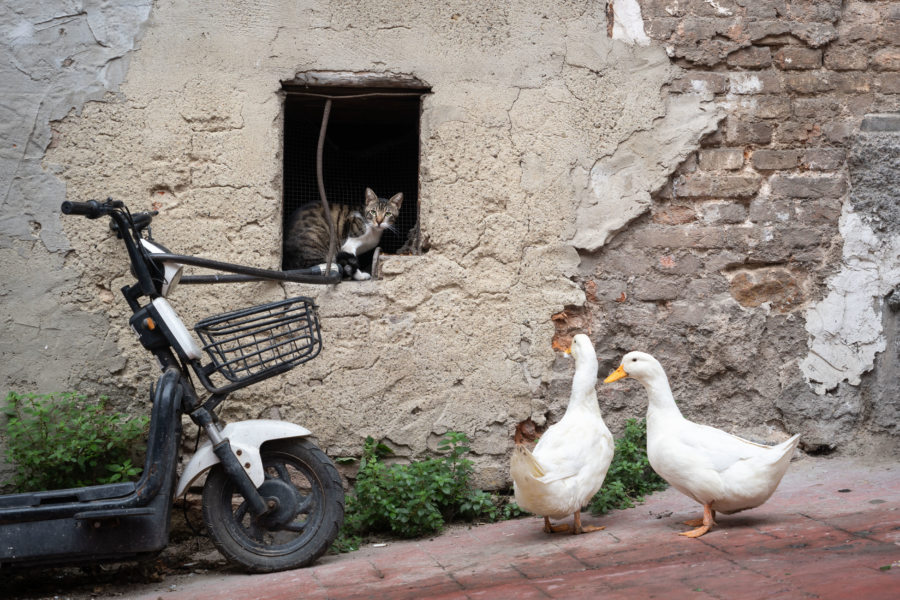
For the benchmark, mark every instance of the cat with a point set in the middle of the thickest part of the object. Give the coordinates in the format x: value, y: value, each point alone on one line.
x: 357, y: 230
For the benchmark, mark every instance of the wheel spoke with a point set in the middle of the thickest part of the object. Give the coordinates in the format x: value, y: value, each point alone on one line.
x: 295, y: 526
x: 256, y: 532
x: 240, y: 512
x: 282, y: 472
x: 304, y: 506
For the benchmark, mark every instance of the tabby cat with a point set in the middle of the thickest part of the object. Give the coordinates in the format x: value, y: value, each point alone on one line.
x: 357, y: 230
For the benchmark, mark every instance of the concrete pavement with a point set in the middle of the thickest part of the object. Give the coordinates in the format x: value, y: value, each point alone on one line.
x: 831, y: 531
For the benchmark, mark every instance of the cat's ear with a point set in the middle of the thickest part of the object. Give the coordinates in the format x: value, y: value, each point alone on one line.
x: 396, y: 200
x: 370, y: 196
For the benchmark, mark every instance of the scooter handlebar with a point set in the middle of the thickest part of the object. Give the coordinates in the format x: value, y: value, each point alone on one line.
x: 90, y: 209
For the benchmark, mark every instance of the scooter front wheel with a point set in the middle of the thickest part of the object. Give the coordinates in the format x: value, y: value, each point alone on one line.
x: 303, y: 486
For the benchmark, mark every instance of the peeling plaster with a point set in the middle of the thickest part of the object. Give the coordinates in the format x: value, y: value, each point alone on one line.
x: 845, y: 327
x: 57, y: 56
x: 622, y: 183
x: 628, y: 25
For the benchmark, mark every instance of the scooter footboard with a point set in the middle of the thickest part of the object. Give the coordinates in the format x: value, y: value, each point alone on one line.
x: 89, y: 536
x: 104, y: 522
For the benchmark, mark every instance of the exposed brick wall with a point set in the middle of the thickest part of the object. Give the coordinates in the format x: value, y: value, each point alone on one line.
x: 746, y: 232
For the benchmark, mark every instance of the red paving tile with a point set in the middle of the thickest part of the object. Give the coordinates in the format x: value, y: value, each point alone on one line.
x: 809, y: 541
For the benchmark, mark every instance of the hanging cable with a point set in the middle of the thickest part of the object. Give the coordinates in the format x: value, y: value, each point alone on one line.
x: 321, y: 181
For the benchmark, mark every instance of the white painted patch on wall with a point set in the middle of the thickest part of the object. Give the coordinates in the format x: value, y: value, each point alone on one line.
x: 721, y: 10
x: 845, y: 328
x: 628, y: 24
x: 742, y: 83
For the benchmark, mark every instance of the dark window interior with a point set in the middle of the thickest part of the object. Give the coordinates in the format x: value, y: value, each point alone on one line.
x: 372, y: 140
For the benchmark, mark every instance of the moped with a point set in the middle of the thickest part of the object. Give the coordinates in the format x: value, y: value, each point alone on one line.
x: 272, y: 500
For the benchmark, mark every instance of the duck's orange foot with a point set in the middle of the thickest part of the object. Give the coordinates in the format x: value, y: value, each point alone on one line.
x: 705, y: 523
x: 590, y: 528
x: 579, y: 528
x: 695, y: 533
x: 548, y: 528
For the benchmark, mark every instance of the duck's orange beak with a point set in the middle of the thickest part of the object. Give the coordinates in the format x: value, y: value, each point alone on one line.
x: 616, y: 375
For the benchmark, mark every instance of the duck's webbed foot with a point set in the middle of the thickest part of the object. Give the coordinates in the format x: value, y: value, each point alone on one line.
x: 584, y: 529
x: 708, y: 520
x: 548, y: 528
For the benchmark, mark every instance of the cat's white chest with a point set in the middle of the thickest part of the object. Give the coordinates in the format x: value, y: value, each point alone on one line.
x: 363, y: 243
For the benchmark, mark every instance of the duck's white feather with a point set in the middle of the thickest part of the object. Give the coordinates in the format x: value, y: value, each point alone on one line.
x: 570, y: 461
x: 707, y: 464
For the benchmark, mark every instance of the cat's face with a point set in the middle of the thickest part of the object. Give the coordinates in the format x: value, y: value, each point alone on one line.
x: 380, y: 212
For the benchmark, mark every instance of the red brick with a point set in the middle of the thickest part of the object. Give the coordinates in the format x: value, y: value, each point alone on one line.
x: 721, y: 159
x: 888, y: 83
x: 704, y: 185
x: 519, y: 591
x: 852, y: 82
x: 754, y: 57
x: 824, y: 159
x: 808, y: 186
x: 794, y: 132
x: 754, y: 82
x: 770, y: 160
x: 770, y: 107
x: 887, y: 59
x: 846, y: 58
x: 796, y: 57
x: 744, y: 132
x: 808, y: 82
x: 674, y: 215
x: 701, y: 82
x: 687, y: 237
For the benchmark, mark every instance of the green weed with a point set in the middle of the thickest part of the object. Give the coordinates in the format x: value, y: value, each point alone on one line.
x: 415, y: 499
x: 58, y: 441
x: 630, y: 476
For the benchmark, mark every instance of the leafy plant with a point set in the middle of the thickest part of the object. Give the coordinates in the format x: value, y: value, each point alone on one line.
x: 630, y: 476
x: 415, y: 499
x: 58, y: 441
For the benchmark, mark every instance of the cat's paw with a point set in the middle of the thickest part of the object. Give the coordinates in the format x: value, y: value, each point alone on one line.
x: 361, y: 276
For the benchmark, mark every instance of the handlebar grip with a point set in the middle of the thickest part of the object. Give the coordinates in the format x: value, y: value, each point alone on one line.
x: 90, y: 209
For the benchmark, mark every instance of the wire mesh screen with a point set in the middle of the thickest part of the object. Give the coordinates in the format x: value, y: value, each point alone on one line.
x: 370, y: 142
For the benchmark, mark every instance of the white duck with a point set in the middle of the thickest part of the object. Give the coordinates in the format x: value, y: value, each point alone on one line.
x: 721, y: 471
x: 569, y: 462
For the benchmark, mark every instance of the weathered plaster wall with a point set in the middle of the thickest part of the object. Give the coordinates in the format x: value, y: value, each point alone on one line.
x: 527, y: 101
x: 56, y: 57
x: 668, y: 176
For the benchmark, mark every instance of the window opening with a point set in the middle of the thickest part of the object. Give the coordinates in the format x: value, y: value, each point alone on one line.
x: 372, y: 140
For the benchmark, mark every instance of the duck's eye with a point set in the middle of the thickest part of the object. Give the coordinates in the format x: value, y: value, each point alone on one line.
x: 633, y: 360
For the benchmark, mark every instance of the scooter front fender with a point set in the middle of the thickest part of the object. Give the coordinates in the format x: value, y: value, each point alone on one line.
x: 245, y: 438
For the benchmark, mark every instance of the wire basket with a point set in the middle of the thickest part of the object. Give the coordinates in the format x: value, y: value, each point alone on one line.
x: 258, y: 342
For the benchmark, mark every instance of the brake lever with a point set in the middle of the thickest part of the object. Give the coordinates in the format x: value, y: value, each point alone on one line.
x: 141, y: 221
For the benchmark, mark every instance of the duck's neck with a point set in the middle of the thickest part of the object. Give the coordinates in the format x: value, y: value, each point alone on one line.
x: 584, y: 392
x: 660, y: 396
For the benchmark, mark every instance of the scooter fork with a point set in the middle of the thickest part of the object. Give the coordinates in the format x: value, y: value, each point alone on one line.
x: 256, y: 504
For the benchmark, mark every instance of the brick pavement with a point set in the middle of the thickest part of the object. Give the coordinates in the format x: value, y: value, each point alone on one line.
x: 831, y: 531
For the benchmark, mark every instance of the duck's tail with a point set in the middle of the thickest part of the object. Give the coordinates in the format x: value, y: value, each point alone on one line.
x: 524, y: 465
x: 785, y: 450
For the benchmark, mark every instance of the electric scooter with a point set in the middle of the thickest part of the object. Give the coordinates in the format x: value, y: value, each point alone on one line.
x: 272, y: 500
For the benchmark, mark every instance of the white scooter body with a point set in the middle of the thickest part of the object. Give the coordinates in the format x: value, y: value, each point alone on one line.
x: 246, y: 437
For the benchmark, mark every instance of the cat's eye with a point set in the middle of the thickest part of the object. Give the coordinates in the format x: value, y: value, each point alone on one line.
x: 370, y: 214
x: 388, y: 215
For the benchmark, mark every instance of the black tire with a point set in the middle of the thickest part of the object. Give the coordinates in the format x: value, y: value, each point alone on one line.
x: 310, y: 509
